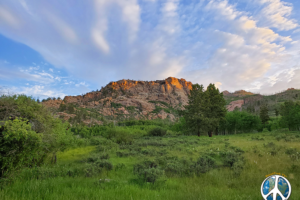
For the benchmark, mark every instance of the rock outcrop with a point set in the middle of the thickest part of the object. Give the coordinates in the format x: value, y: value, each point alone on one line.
x: 234, y: 104
x: 132, y: 99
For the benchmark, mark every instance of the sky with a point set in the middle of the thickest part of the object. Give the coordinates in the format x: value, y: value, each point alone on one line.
x: 58, y: 48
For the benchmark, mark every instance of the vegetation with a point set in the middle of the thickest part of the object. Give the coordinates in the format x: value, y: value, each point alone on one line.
x: 205, y: 109
x: 43, y: 157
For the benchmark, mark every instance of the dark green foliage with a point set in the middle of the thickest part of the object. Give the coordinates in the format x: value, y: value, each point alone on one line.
x: 20, y: 146
x: 204, y: 164
x: 290, y: 112
x: 116, y: 105
x: 276, y: 112
x: 62, y: 107
x: 215, y: 109
x: 239, y: 121
x: 119, y: 166
x: 104, y: 164
x: 230, y: 157
x: 157, y: 109
x: 30, y: 129
x: 130, y: 108
x: 158, y: 131
x: 160, y: 102
x: 70, y: 108
x: 119, y: 136
x: 291, y: 151
x: 180, y: 125
x: 195, y: 110
x: 148, y: 171
x: 263, y: 114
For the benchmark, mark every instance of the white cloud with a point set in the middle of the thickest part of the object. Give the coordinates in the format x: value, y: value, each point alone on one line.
x: 201, y: 41
x: 81, y: 83
x: 62, y: 27
x: 276, y: 14
x: 7, y: 17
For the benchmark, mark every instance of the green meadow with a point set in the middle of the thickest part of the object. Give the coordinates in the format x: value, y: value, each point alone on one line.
x: 223, y: 167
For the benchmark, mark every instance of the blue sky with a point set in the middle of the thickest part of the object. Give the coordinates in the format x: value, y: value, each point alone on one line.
x: 58, y: 48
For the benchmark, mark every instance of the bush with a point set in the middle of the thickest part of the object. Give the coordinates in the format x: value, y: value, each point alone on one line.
x: 148, y: 171
x: 230, y: 158
x: 204, y: 164
x: 19, y: 145
x: 104, y: 164
x: 119, y: 136
x: 158, y: 131
x: 291, y: 151
x: 91, y: 170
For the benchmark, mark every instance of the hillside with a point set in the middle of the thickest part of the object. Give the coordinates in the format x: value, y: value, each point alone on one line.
x: 252, y: 102
x: 125, y: 99
x: 129, y: 99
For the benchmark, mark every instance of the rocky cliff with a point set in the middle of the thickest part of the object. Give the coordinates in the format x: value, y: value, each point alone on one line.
x: 127, y: 99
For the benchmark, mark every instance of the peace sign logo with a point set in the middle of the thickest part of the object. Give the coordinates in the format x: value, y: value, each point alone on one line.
x: 276, y: 188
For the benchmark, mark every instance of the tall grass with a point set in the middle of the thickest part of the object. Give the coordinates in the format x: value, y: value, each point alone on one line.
x: 264, y: 153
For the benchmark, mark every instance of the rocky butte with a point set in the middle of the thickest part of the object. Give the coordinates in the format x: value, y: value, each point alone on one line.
x: 127, y: 99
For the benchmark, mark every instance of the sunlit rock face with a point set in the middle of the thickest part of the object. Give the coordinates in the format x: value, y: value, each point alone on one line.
x: 132, y: 99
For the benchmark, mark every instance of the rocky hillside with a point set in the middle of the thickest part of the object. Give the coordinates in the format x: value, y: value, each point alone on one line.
x: 125, y: 99
x: 251, y: 102
x: 129, y: 99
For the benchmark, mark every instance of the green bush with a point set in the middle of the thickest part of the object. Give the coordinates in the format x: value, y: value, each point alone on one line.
x: 157, y: 131
x: 119, y: 136
x: 148, y: 171
x: 204, y: 164
x: 230, y: 157
x: 104, y: 164
x: 291, y: 151
x: 20, y: 146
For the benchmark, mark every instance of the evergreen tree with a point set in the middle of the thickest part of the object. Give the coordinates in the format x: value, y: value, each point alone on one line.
x: 215, y: 109
x: 264, y: 116
x: 194, y: 111
x: 276, y: 112
x: 290, y: 114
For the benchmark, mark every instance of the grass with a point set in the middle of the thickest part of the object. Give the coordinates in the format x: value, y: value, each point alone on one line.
x: 219, y: 183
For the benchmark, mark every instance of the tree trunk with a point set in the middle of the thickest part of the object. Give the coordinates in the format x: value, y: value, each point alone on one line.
x: 217, y: 131
x: 209, y: 133
x: 198, y: 133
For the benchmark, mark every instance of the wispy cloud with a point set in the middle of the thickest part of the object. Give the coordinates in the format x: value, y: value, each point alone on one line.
x: 203, y: 41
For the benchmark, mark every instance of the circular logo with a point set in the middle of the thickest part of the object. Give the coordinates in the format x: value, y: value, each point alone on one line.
x: 276, y: 187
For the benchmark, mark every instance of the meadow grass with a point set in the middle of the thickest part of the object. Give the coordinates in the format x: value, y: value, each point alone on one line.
x: 264, y: 153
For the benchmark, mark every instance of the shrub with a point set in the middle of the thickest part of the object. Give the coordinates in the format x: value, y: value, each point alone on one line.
x: 148, y: 171
x: 238, y: 167
x: 119, y: 136
x: 291, y: 151
x: 204, y: 164
x: 119, y: 166
x: 91, y: 170
x: 19, y: 145
x: 157, y: 131
x: 230, y: 158
x: 104, y: 164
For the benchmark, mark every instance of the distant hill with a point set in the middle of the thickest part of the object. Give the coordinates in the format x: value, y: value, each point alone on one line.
x: 125, y: 99
x: 130, y: 99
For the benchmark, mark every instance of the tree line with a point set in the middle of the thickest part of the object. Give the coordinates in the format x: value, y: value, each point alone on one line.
x: 206, y: 113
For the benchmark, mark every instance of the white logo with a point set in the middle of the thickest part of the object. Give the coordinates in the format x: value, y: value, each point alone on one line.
x: 276, y: 187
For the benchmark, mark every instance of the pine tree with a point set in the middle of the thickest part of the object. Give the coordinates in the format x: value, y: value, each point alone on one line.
x: 215, y: 109
x: 276, y: 112
x: 264, y: 116
x: 194, y: 111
